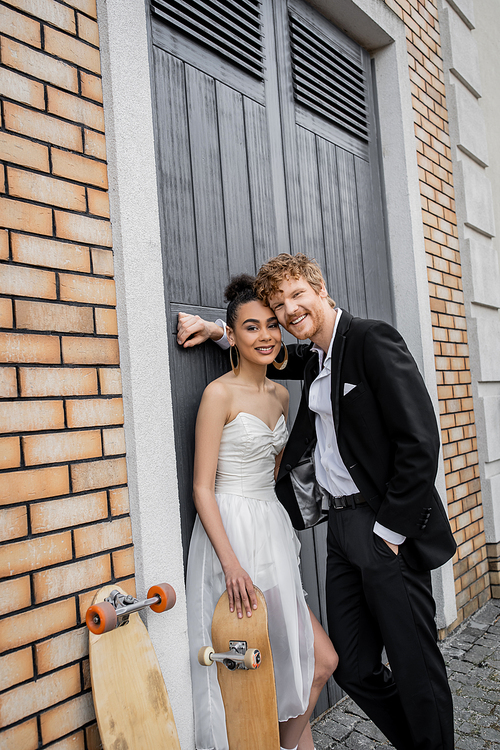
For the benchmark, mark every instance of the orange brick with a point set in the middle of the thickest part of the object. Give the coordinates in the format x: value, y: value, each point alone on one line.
x: 88, y: 30
x: 23, y: 736
x: 48, y: 10
x: 66, y: 579
x: 87, y: 351
x: 113, y: 441
x: 38, y: 65
x: 27, y: 282
x: 68, y: 512
x: 27, y: 416
x: 13, y: 523
x: 6, y: 319
x: 91, y: 86
x: 86, y: 6
x: 25, y: 216
x: 35, y: 696
x: 21, y: 557
x: 72, y: 49
x: 23, y: 347
x: 39, y: 251
x: 88, y: 289
x: 119, y: 501
x: 102, y: 536
x: 98, y: 202
x: 33, y: 484
x: 79, y: 168
x: 15, y: 594
x: 92, y: 737
x: 15, y: 668
x: 105, y: 321
x: 95, y: 144
x: 123, y: 562
x: 42, y: 127
x: 23, y: 28
x: 65, y: 718
x: 2, y: 178
x: 74, y: 108
x: 96, y: 474
x: 4, y: 244
x: 37, y: 623
x: 73, y: 742
x: 110, y: 380
x: 21, y: 89
x: 36, y: 187
x: 82, y: 229
x: 62, y: 649
x: 43, y: 316
x: 58, y: 381
x: 61, y: 446
x: 102, y: 261
x: 94, y: 412
x: 10, y: 454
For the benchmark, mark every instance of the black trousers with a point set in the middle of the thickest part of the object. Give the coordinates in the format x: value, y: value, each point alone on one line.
x: 374, y: 600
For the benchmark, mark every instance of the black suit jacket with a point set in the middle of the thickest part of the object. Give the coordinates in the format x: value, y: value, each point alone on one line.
x: 387, y: 436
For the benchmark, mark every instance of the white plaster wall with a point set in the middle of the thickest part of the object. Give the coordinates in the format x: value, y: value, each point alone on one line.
x: 470, y: 31
x: 143, y: 338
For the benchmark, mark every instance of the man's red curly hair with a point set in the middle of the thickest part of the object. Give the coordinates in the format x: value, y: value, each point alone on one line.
x: 286, y: 266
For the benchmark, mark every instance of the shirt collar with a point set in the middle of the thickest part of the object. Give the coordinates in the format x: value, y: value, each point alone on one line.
x: 320, y: 351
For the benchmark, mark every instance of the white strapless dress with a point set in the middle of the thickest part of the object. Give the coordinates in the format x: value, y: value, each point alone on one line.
x: 263, y: 539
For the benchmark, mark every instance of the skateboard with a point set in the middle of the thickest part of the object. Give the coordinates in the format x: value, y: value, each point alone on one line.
x: 245, y: 671
x: 130, y: 698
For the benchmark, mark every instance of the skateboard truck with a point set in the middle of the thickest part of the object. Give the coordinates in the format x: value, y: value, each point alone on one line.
x: 238, y: 656
x: 115, y: 610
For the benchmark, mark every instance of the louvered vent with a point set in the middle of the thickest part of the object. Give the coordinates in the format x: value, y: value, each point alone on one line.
x: 232, y: 28
x: 326, y: 80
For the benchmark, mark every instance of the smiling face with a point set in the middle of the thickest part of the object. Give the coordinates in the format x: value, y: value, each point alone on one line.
x: 256, y: 333
x: 301, y: 310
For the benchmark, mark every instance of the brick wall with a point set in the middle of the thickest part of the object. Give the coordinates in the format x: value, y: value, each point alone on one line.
x: 64, y: 523
x: 458, y: 429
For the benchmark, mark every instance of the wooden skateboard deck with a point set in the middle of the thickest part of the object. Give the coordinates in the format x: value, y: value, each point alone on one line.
x: 130, y: 698
x: 249, y: 695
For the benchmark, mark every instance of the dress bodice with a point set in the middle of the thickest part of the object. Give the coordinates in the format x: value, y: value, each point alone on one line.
x: 247, y: 454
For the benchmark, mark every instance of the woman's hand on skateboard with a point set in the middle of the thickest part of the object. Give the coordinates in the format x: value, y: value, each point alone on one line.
x: 240, y: 591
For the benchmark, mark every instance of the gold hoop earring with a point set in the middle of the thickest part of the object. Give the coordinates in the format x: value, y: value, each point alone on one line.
x: 234, y: 367
x: 282, y: 365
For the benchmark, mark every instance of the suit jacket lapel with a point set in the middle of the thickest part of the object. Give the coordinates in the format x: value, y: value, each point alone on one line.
x: 337, y: 357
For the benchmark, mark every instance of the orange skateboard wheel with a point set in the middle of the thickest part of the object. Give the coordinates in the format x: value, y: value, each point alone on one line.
x: 101, y: 618
x: 167, y: 597
x: 252, y: 658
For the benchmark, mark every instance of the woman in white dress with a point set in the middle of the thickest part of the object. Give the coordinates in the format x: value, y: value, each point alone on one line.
x: 243, y: 535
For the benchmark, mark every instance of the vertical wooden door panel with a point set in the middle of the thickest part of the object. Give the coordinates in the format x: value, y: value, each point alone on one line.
x: 332, y: 222
x: 207, y: 184
x: 350, y: 231
x: 312, y: 228
x: 175, y: 187
x: 373, y: 246
x: 261, y: 186
x: 234, y: 170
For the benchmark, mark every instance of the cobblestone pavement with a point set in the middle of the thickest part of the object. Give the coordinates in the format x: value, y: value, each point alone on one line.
x: 472, y: 656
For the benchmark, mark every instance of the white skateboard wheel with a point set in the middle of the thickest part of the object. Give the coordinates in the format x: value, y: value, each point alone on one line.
x: 204, y: 656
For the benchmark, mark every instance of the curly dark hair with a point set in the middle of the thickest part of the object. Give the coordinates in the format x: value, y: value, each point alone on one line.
x: 239, y: 290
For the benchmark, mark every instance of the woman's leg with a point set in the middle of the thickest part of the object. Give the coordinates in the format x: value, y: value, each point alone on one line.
x: 298, y: 731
